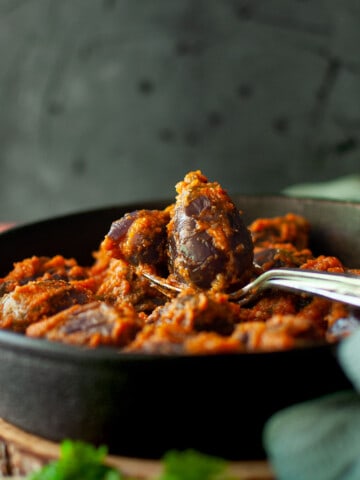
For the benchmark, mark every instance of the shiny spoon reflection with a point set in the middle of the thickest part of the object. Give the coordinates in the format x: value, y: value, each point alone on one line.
x: 341, y: 287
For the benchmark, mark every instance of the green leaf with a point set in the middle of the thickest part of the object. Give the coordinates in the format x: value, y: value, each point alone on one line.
x: 78, y: 460
x: 193, y: 465
x: 82, y: 461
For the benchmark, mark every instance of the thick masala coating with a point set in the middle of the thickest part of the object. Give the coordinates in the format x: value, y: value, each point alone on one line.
x: 36, y: 300
x: 139, y: 237
x: 210, y: 246
x: 92, y: 324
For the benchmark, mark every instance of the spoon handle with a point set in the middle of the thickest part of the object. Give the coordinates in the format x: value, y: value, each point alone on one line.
x: 342, y: 287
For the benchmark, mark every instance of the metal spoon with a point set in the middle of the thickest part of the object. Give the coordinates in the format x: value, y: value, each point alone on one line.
x: 341, y: 287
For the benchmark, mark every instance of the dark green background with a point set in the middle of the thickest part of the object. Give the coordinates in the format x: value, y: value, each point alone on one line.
x: 110, y: 101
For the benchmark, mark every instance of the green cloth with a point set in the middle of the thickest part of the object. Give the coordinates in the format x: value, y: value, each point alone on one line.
x: 342, y: 188
x: 320, y: 439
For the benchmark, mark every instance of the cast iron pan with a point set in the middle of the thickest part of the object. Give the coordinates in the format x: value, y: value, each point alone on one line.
x: 143, y: 405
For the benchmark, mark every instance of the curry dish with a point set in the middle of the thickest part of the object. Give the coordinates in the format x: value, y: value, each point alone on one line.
x: 200, y: 244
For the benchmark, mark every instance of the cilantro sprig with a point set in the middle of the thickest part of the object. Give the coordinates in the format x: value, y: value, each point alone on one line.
x: 80, y: 460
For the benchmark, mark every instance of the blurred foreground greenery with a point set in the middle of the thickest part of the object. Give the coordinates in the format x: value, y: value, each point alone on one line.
x: 80, y: 460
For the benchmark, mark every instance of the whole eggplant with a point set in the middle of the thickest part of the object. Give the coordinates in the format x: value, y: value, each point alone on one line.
x: 139, y: 237
x: 209, y: 244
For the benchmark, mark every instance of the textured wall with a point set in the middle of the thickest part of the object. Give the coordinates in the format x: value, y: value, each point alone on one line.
x: 108, y: 101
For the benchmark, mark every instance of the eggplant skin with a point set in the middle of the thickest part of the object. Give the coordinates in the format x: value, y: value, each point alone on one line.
x: 139, y: 237
x: 209, y: 244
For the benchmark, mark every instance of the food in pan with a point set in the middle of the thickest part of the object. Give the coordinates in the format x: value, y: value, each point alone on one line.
x: 200, y: 244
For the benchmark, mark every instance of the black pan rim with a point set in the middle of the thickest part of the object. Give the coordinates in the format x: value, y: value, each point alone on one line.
x: 66, y: 352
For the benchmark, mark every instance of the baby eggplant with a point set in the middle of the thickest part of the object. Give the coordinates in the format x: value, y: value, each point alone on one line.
x: 139, y: 237
x: 209, y: 244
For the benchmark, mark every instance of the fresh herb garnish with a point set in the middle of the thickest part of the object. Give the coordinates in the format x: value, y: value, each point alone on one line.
x: 82, y: 461
x: 193, y: 465
x: 78, y: 460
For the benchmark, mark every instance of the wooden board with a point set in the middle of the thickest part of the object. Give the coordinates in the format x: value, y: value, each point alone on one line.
x: 22, y: 453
